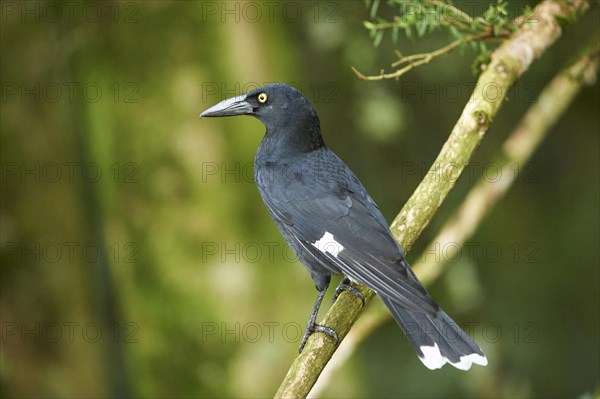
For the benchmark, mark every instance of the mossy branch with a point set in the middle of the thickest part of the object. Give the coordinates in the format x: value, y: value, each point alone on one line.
x: 508, y: 63
x: 511, y: 158
x: 516, y: 150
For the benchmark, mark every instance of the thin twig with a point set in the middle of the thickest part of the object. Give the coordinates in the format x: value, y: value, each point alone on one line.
x: 416, y: 60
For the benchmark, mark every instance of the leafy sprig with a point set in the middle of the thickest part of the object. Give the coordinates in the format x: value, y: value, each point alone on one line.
x: 417, y: 18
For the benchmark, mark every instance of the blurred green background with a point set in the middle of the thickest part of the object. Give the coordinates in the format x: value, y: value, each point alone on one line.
x: 139, y: 260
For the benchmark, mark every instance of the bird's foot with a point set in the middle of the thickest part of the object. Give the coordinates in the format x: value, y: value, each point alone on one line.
x: 345, y: 286
x: 313, y: 328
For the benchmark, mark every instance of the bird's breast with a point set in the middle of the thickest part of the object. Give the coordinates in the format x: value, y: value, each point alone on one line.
x: 282, y: 181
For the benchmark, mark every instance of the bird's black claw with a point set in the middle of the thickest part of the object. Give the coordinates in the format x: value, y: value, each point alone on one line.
x: 345, y: 286
x: 317, y: 328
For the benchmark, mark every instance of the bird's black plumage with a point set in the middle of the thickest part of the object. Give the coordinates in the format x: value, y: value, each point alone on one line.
x: 332, y: 224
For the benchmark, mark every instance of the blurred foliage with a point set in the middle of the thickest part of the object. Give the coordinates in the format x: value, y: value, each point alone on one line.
x: 418, y: 18
x: 138, y: 259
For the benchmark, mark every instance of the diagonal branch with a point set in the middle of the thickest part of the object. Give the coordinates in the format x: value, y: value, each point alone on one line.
x: 516, y: 150
x: 508, y: 63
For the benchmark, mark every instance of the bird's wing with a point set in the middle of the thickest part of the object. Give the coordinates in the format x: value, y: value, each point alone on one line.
x: 338, y: 224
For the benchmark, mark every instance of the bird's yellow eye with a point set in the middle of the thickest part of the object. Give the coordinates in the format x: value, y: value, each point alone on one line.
x: 262, y: 98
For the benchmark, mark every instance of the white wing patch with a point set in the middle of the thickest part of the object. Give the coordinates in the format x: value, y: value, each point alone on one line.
x: 328, y: 244
x: 433, y: 359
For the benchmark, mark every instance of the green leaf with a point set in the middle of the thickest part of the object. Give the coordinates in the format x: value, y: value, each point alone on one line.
x: 369, y: 25
x: 454, y: 32
x: 421, y: 29
x: 490, y: 15
x: 374, y: 7
x: 372, y: 33
x: 378, y: 38
x: 496, y: 29
x: 482, y: 46
x: 432, y: 27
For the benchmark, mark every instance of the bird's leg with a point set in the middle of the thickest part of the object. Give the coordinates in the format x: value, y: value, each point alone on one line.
x: 312, y: 326
x: 345, y: 286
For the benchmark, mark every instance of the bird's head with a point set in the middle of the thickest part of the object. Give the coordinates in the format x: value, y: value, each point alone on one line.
x: 276, y: 105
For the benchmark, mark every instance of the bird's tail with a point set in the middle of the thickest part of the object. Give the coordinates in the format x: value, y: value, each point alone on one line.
x: 437, y: 338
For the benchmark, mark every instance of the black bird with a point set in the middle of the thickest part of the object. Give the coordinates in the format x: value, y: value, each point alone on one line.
x: 334, y: 227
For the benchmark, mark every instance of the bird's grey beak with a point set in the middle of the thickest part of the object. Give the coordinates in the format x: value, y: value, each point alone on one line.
x: 230, y: 107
